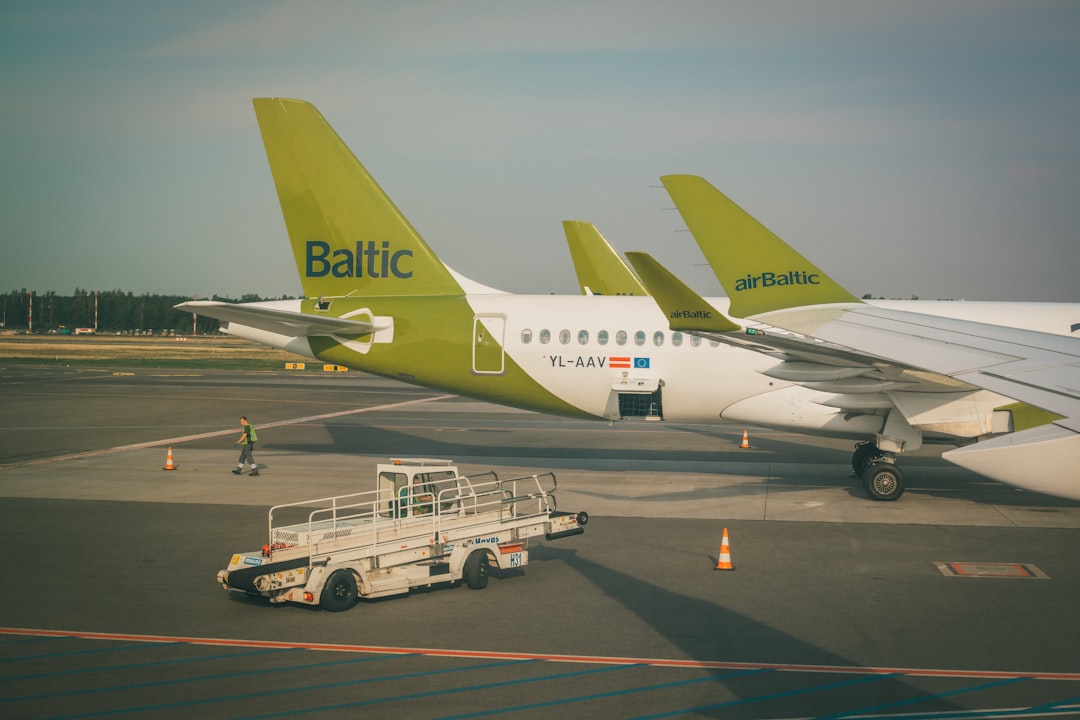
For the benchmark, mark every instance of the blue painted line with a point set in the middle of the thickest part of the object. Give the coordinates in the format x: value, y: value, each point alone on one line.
x: 773, y: 696
x: 140, y: 666
x: 15, y: 640
x: 446, y: 691
x: 184, y: 681
x: 601, y: 696
x: 1042, y: 711
x: 924, y: 698
x: 288, y: 691
x: 1057, y: 705
x: 93, y: 651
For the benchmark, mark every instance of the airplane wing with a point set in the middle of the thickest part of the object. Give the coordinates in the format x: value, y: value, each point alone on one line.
x: 936, y: 374
x: 599, y: 269
x: 281, y: 322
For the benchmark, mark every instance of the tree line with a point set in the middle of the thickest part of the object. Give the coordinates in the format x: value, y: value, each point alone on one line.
x: 117, y: 311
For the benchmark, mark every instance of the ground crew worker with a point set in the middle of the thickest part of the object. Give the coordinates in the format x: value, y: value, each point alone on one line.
x: 247, y: 444
x: 417, y: 498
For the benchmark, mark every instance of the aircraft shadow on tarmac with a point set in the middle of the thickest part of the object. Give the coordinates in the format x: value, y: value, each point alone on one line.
x: 928, y: 474
x: 707, y: 631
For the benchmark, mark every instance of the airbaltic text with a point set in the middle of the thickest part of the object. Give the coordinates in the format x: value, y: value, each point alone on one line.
x: 343, y: 263
x: 688, y: 314
x: 770, y: 279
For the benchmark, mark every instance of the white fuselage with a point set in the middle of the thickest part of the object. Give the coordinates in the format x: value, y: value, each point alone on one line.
x: 589, y: 350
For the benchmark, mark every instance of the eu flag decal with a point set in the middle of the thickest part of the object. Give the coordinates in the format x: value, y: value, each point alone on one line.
x: 641, y: 363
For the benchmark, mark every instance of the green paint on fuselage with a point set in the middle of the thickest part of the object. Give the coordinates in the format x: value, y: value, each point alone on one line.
x: 432, y: 347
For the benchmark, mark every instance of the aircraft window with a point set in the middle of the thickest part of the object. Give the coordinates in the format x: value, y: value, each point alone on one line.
x: 526, y: 337
x: 695, y: 340
x: 545, y: 337
x: 639, y: 337
x: 582, y: 337
x: 714, y: 343
x: 620, y: 337
x: 676, y: 339
x: 564, y: 337
x: 601, y: 337
x: 658, y: 338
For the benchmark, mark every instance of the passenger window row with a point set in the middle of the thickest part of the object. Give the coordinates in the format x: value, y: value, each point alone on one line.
x: 621, y: 338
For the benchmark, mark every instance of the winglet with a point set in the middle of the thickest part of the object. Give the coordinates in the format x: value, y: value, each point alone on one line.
x: 347, y: 236
x: 759, y: 271
x: 599, y: 268
x: 685, y: 309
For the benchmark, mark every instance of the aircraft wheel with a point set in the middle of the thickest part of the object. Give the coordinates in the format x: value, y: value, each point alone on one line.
x: 865, y: 453
x: 883, y: 481
x: 339, y: 593
x: 476, y: 570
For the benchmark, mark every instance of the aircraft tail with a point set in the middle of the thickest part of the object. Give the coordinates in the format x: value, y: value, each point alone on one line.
x: 759, y: 271
x: 347, y: 236
x: 599, y: 269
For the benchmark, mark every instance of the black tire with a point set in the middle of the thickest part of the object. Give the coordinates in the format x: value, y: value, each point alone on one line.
x: 476, y: 570
x: 339, y: 593
x: 865, y: 454
x: 883, y: 481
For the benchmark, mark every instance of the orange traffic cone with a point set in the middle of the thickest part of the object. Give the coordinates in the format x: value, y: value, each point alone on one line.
x: 724, y: 563
x: 745, y: 440
x: 169, y: 461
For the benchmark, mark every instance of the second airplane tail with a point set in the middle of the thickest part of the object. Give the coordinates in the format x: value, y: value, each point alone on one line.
x: 347, y: 237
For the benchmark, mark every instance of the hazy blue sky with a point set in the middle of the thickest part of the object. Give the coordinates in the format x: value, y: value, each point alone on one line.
x: 908, y: 148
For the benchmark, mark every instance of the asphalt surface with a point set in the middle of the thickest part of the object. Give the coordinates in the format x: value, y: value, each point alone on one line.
x: 837, y: 606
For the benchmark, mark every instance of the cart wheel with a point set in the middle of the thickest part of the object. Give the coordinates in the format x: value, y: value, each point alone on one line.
x: 339, y: 593
x: 476, y: 570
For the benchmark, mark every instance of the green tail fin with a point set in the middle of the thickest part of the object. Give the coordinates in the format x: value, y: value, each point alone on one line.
x: 759, y: 271
x: 346, y: 234
x: 596, y: 263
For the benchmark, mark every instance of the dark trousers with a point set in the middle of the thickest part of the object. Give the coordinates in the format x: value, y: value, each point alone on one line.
x: 245, y: 454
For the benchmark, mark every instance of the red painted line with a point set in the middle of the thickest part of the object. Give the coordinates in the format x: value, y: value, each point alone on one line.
x: 548, y: 657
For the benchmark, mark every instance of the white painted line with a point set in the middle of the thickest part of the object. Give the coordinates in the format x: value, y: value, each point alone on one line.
x: 219, y: 433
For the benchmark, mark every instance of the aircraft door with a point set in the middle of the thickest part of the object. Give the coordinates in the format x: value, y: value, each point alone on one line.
x: 487, y: 344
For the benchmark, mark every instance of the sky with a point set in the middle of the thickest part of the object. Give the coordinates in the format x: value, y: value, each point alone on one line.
x: 923, y: 148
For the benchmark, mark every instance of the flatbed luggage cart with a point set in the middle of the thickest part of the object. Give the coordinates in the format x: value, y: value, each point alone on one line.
x: 424, y: 524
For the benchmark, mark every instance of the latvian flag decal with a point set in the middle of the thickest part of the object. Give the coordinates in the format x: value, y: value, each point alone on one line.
x: 618, y: 362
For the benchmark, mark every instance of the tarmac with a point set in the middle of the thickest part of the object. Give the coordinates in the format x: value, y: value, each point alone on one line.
x: 958, y: 600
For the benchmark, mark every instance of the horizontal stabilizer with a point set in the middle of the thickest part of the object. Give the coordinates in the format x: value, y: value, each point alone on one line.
x: 686, y: 310
x: 282, y: 322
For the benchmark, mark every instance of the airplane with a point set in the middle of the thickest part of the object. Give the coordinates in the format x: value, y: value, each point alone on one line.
x: 378, y: 299
x: 1008, y: 396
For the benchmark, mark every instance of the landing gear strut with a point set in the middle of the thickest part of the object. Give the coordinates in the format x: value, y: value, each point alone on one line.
x: 865, y: 453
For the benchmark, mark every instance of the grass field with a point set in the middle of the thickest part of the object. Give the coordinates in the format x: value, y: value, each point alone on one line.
x: 222, y: 352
